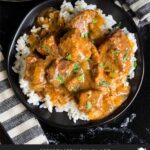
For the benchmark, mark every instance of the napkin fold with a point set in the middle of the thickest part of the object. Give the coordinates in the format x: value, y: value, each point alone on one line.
x: 139, y: 10
x: 21, y: 126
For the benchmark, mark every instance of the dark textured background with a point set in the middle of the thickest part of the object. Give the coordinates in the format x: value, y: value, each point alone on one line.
x: 136, y: 131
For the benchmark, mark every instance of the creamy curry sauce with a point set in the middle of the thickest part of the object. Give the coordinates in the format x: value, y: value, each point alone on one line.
x: 67, y: 62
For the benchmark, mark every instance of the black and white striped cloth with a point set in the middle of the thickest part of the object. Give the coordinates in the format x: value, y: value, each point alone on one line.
x: 139, y: 10
x: 21, y: 126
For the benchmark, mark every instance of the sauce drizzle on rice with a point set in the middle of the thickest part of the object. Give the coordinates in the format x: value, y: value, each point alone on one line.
x: 74, y: 61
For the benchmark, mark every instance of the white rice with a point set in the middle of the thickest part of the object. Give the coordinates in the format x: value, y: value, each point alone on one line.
x: 67, y: 12
x: 35, y: 30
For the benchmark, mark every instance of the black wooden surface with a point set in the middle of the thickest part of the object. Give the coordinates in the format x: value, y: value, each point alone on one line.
x: 138, y: 131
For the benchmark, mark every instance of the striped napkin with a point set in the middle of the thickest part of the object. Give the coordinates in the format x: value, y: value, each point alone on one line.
x: 139, y: 10
x: 21, y: 126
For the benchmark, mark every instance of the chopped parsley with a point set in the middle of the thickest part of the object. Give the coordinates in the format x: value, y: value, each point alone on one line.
x: 113, y: 72
x: 135, y: 64
x: 60, y: 79
x: 81, y: 77
x: 68, y: 57
x: 76, y: 68
x: 101, y: 65
x: 104, y: 83
x: 88, y: 105
x: 94, y: 21
x: 46, y: 48
x: 116, y: 52
x: 126, y: 55
x: 86, y: 35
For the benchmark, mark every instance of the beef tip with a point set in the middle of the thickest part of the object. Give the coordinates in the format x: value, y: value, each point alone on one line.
x: 95, y: 103
x: 74, y: 83
x: 74, y: 47
x: 38, y: 77
x: 59, y: 96
x: 30, y: 64
x: 48, y: 46
x: 59, y: 71
x: 81, y: 21
x: 115, y: 53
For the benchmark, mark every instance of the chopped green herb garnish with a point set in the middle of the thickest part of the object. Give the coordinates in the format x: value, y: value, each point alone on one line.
x: 68, y: 57
x: 60, y: 79
x: 76, y: 68
x: 126, y: 55
x: 101, y: 65
x: 46, y: 48
x: 113, y: 71
x: 94, y: 21
x: 86, y: 35
x: 88, y: 105
x: 135, y: 64
x: 116, y: 52
x: 81, y: 77
x: 104, y: 83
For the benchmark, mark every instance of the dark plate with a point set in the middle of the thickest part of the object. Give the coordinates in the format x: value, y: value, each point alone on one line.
x: 60, y: 120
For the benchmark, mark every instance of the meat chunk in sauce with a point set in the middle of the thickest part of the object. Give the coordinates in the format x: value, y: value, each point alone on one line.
x: 38, y: 79
x: 94, y: 103
x: 82, y: 20
x: 59, y: 96
x: 80, y: 78
x: 35, y: 72
x: 89, y: 22
x: 119, y: 95
x: 59, y: 71
x: 30, y: 64
x: 115, y: 54
x: 73, y: 47
x: 48, y: 46
x: 74, y: 82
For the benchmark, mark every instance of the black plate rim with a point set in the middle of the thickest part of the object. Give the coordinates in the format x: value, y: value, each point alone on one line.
x: 89, y: 124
